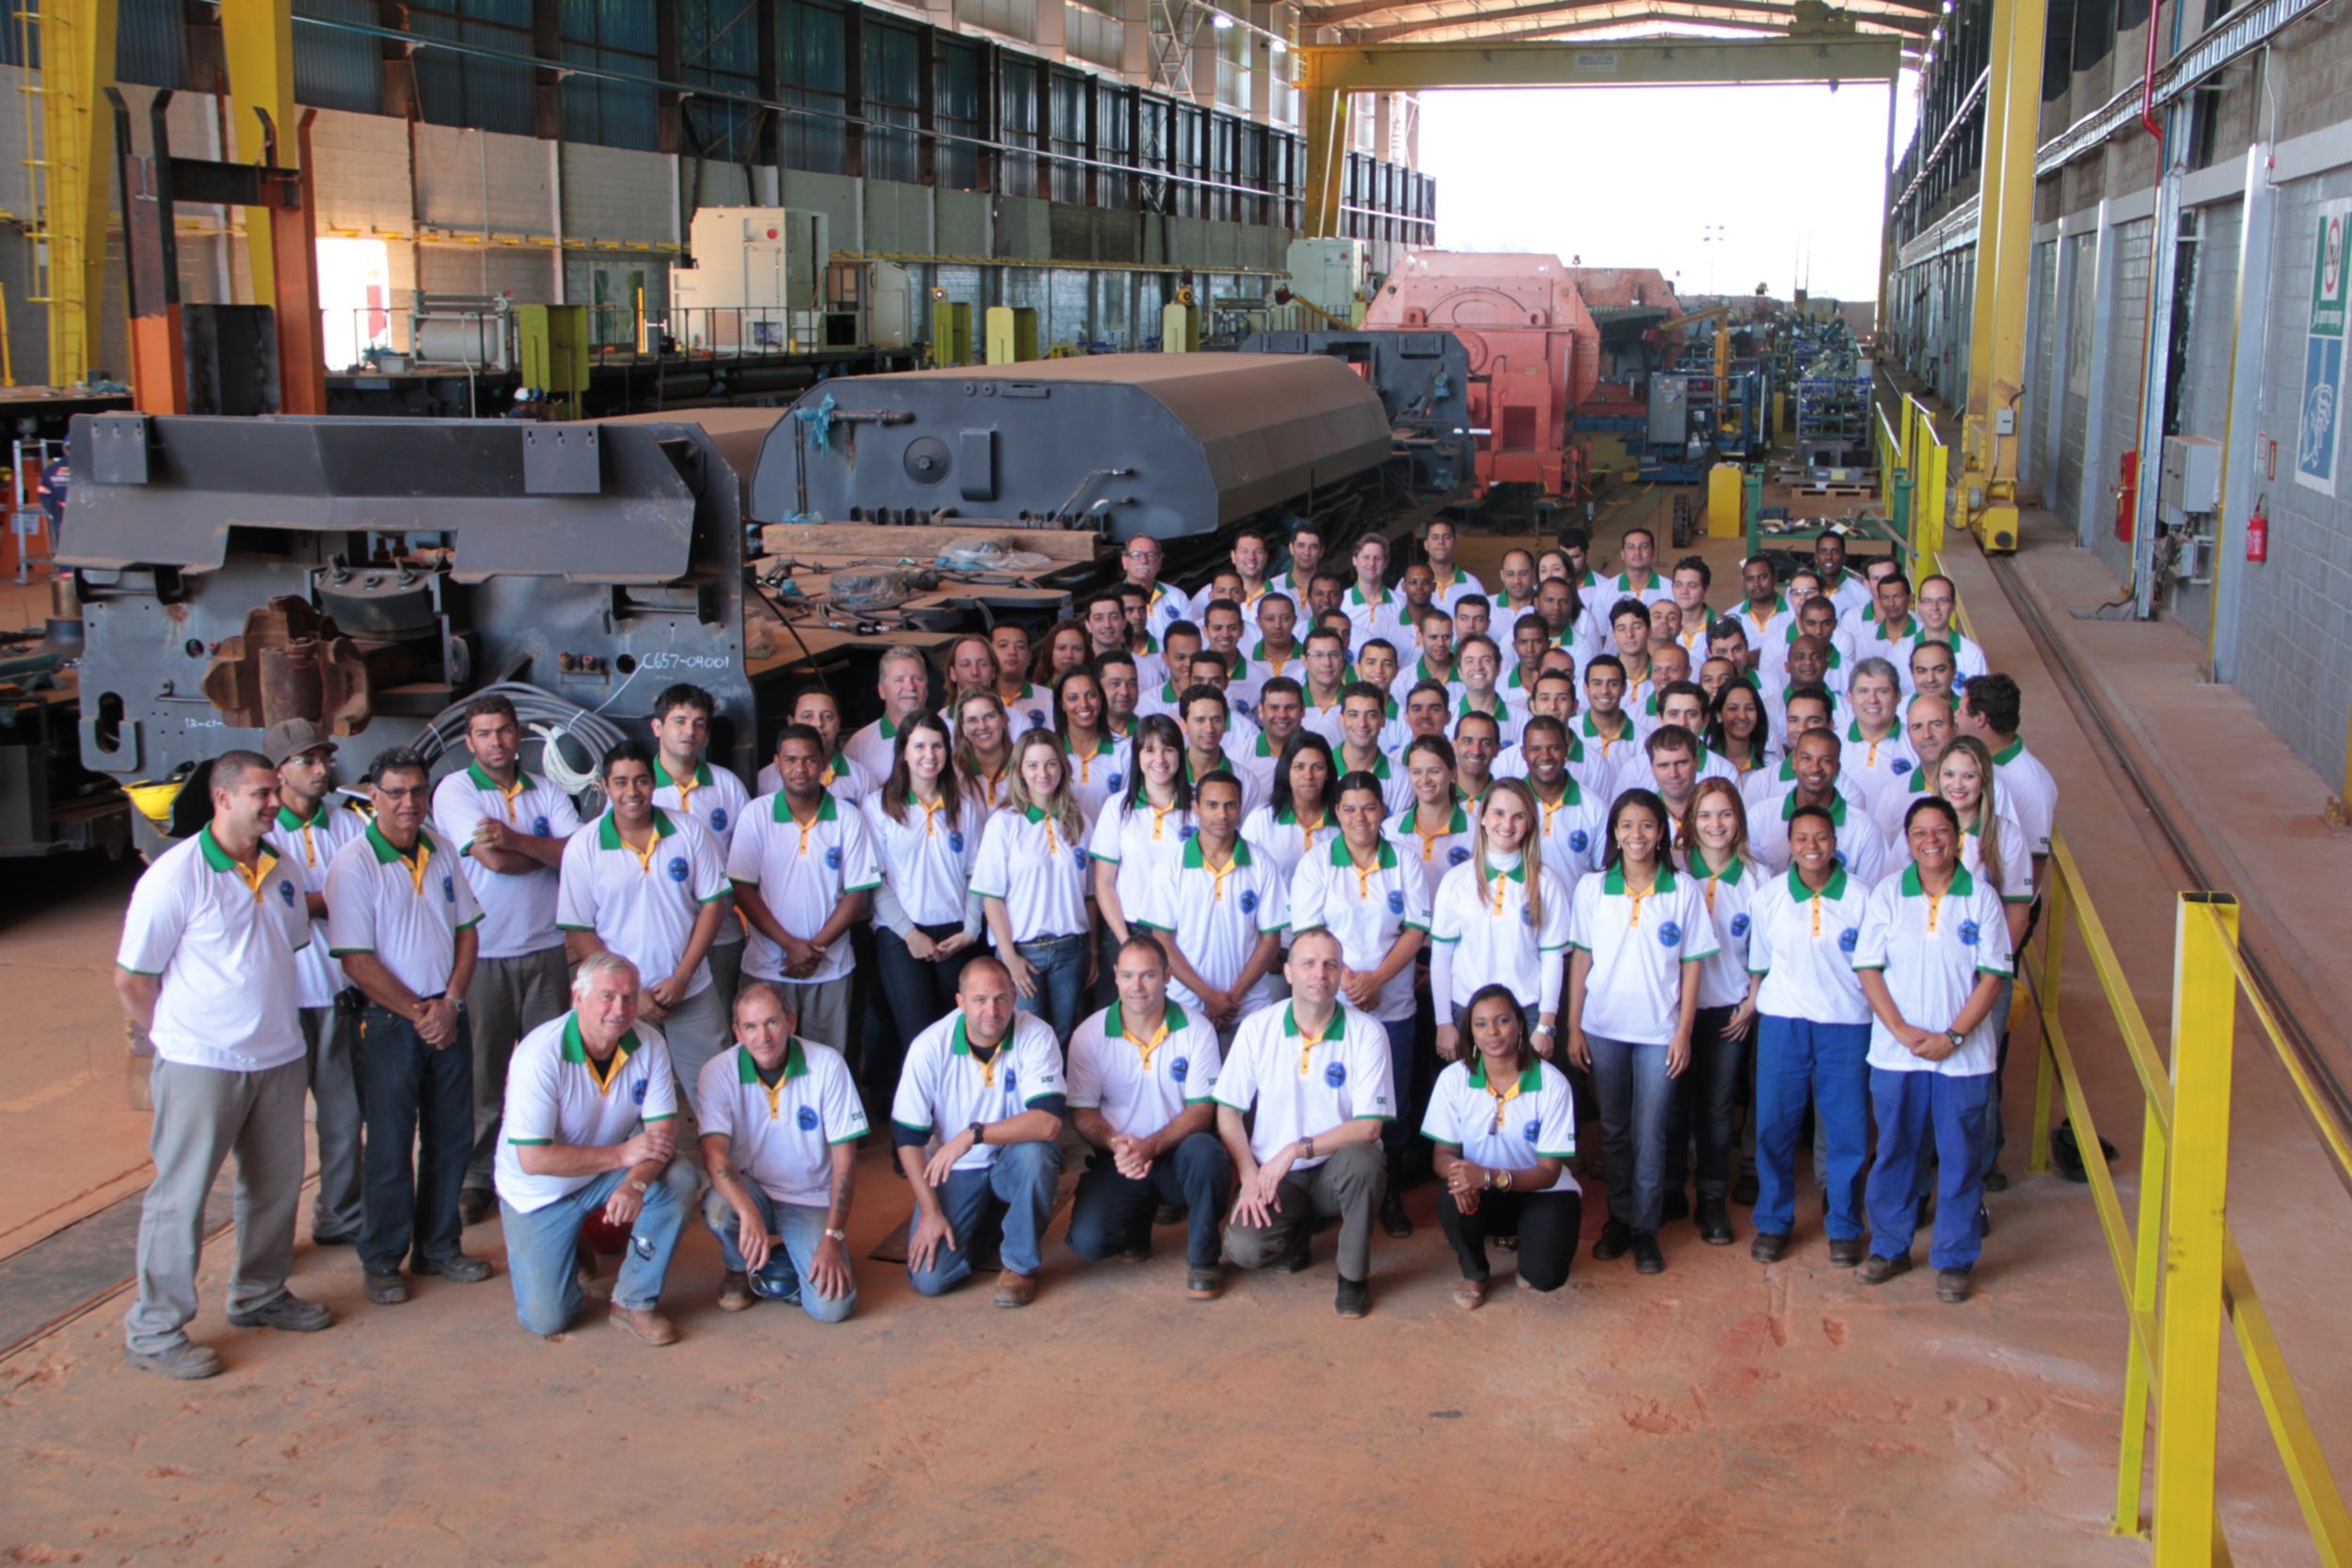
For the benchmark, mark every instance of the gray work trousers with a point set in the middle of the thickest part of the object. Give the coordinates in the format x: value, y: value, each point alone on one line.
x: 824, y: 1011
x: 1350, y: 1185
x: 507, y: 999
x: 202, y: 1115
x: 696, y: 1030
x: 327, y: 1035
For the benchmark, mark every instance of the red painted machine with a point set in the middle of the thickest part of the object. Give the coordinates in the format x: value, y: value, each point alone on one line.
x: 1534, y: 354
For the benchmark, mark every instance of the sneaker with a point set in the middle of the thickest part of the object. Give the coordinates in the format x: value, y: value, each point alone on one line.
x: 1015, y: 1289
x: 459, y: 1267
x: 476, y: 1204
x: 289, y: 1313
x: 1846, y: 1254
x: 1951, y: 1285
x: 1676, y: 1206
x: 1995, y: 1181
x: 1743, y: 1189
x: 1714, y: 1222
x: 1876, y: 1269
x: 187, y: 1361
x: 1646, y: 1257
x: 1769, y: 1246
x: 386, y: 1287
x: 1355, y: 1297
x: 735, y: 1292
x: 1615, y: 1236
x: 646, y: 1322
x: 1393, y: 1221
x: 1205, y: 1284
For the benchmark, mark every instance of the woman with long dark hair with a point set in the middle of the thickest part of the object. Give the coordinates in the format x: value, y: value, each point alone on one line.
x: 1139, y: 835
x: 1298, y: 816
x: 926, y: 837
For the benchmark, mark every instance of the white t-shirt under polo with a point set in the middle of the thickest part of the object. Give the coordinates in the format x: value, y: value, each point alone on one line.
x: 1300, y: 1087
x: 1040, y: 871
x: 803, y: 872
x: 556, y: 1095
x: 1367, y: 909
x: 308, y: 850
x: 405, y: 910
x: 1534, y: 1118
x: 518, y: 910
x: 642, y: 908
x: 1214, y: 919
x: 1633, y: 991
x: 1141, y: 1082
x: 944, y: 1089
x: 1930, y: 951
x: 1497, y: 939
x: 717, y: 801
x: 223, y: 942
x: 1804, y: 944
x: 782, y: 1138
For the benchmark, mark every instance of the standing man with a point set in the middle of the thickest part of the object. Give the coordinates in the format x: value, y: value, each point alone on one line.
x: 207, y: 968
x: 510, y: 830
x: 1220, y: 913
x: 1878, y: 755
x: 1277, y: 652
x: 1306, y: 552
x: 804, y: 870
x: 1764, y: 615
x: 1815, y: 760
x: 1327, y: 682
x: 1373, y: 611
x: 1519, y: 585
x: 714, y: 799
x: 304, y: 835
x: 780, y: 1124
x: 903, y: 684
x: 1850, y: 591
x: 1453, y: 584
x: 1140, y: 1078
x: 1162, y: 605
x: 1692, y: 579
x: 592, y: 1129
x: 401, y: 917
x: 1991, y: 706
x: 979, y: 1105
x: 1251, y: 558
x: 1316, y: 1075
x: 1937, y: 600
x: 1106, y: 622
x: 1028, y: 707
x: 844, y: 780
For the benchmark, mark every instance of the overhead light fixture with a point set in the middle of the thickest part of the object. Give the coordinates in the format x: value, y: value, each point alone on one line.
x: 1220, y: 21
x: 1937, y: 36
x: 1280, y: 46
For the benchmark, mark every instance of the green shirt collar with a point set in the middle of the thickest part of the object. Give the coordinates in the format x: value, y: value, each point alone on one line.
x: 1114, y: 1022
x: 795, y: 1063
x: 1963, y: 883
x: 1194, y: 859
x: 1613, y: 884
x: 291, y: 823
x: 1343, y: 855
x: 1833, y: 890
x: 609, y: 826
x: 576, y: 1049
x: 482, y: 781
x: 1331, y: 1031
x: 828, y: 810
x: 1531, y: 1082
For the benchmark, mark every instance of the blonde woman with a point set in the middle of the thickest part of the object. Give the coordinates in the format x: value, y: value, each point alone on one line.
x: 1715, y: 846
x: 1992, y: 845
x: 984, y: 748
x: 1032, y: 880
x: 1502, y: 917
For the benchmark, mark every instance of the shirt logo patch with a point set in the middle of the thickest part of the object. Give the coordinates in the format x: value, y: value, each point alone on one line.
x: 1533, y: 1130
x: 1847, y: 940
x: 1335, y: 1075
x: 1178, y: 1067
x: 677, y: 870
x: 1079, y: 853
x: 285, y: 892
x: 832, y: 857
x: 805, y: 1118
x: 1580, y: 841
x: 1013, y: 1084
x: 448, y: 888
x: 1116, y: 783
x: 1037, y: 718
x: 1249, y: 900
x: 1458, y: 855
x: 1396, y: 901
x: 955, y: 841
x: 1900, y: 765
x: 719, y: 820
x: 1739, y: 924
x: 539, y: 828
x: 1186, y: 832
x: 1669, y: 933
x: 1968, y: 933
x: 637, y: 1092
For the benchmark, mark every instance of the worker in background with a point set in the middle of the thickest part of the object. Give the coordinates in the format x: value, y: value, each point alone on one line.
x: 1928, y: 730
x: 1219, y: 911
x: 403, y: 921
x: 1567, y: 815
x: 1689, y: 584
x: 510, y: 830
x: 713, y: 798
x: 1435, y: 661
x: 1177, y: 645
x: 780, y: 1126
x: 1313, y: 1078
x: 1604, y: 727
x: 1277, y: 650
x: 1363, y: 721
x: 591, y: 1131
x: 1878, y: 755
x: 1576, y: 554
x: 1430, y: 830
x: 1376, y: 664
x: 803, y: 868
x: 1629, y: 640
x: 1473, y: 614
x: 206, y: 966
x: 1207, y: 721
x: 1141, y: 1076
x: 1162, y: 605
x: 972, y: 667
x: 845, y: 781
x: 1480, y: 664
x: 1818, y: 621
x: 1221, y: 635
x: 648, y: 885
x: 1428, y: 710
x: 1847, y: 589
x: 1142, y: 640
x: 1529, y: 639
x: 1668, y: 665
x: 1933, y: 672
x: 1764, y: 615
x: 304, y: 834
x: 1937, y: 599
x: 979, y: 1105
x: 1518, y: 598
x: 1373, y: 608
x: 1327, y: 682
x: 1106, y: 622
x: 1305, y: 555
x: 1281, y: 711
x: 1682, y: 706
x: 1418, y: 587
x: 1122, y: 689
x: 1852, y: 623
x: 1250, y: 583
x: 1806, y: 708
x: 1816, y: 761
x: 1451, y: 583
x: 1477, y: 741
x: 903, y: 684
x: 1326, y: 594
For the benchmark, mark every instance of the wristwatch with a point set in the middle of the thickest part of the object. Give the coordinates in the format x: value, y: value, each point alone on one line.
x: 1957, y: 1039
x: 642, y: 1187
x: 1306, y: 1148
x: 1503, y: 1179
x: 832, y: 1235
x: 978, y: 1127
x: 1544, y: 1029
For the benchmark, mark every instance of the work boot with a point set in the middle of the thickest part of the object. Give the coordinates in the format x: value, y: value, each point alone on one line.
x: 1995, y: 1181
x: 1769, y: 1246
x: 475, y: 1204
x: 187, y: 1361
x: 1877, y: 1270
x: 1646, y: 1257
x: 1205, y: 1284
x: 646, y: 1322
x: 1355, y: 1297
x: 386, y: 1287
x: 735, y: 1292
x: 1015, y: 1289
x: 289, y: 1313
x: 1951, y: 1285
x: 1845, y: 1254
x: 1615, y: 1238
x: 1714, y: 1222
x: 462, y: 1268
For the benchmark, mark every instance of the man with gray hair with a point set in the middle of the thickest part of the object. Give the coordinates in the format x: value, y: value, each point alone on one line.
x: 590, y: 1129
x: 206, y: 967
x: 903, y: 684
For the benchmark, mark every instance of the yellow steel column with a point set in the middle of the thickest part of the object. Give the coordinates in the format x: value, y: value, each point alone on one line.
x: 2004, y: 264
x: 2188, y: 1331
x: 257, y: 36
x: 1326, y: 152
x: 77, y: 44
x: 1988, y: 247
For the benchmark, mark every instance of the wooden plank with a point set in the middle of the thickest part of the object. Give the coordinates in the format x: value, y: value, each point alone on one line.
x: 922, y: 542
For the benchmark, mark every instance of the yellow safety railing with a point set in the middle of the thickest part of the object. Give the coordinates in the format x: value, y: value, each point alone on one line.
x: 1927, y: 458
x: 2175, y: 1260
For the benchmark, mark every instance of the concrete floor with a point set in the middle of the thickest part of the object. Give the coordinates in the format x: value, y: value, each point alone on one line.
x: 1785, y: 1415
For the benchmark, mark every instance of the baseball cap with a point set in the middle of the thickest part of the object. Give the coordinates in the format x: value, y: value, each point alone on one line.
x: 290, y: 738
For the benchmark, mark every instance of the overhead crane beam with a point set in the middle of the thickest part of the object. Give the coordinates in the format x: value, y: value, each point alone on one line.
x: 1579, y: 16
x: 1427, y: 15
x: 1352, y: 11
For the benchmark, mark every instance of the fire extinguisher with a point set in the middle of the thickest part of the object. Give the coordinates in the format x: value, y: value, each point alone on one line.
x: 2127, y: 497
x: 2258, y: 532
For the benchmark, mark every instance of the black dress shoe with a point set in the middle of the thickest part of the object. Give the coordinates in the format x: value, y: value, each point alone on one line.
x: 1769, y: 1246
x: 1393, y: 1221
x: 1301, y: 1251
x: 1646, y: 1257
x: 1995, y: 1181
x: 1676, y: 1206
x: 476, y: 1204
x: 1714, y: 1222
x: 1355, y: 1297
x: 1846, y: 1254
x: 1615, y: 1236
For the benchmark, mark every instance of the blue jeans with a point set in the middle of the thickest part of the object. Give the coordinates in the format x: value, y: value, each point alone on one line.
x: 917, y: 992
x: 801, y: 1228
x: 1061, y: 965
x: 1797, y: 1059
x: 1112, y: 1214
x: 1916, y: 1111
x: 1631, y: 1082
x: 1702, y: 1104
x: 542, y: 1244
x: 1016, y: 1190
x: 412, y: 1097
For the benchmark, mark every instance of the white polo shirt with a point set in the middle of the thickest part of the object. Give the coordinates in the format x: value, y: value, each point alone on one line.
x: 1214, y: 919
x: 1507, y: 718
x: 1532, y: 1118
x: 926, y: 864
x: 1861, y: 848
x: 1284, y: 840
x: 1930, y: 951
x: 1804, y: 943
x: 1141, y: 1084
x: 873, y: 747
x: 1367, y: 909
x: 1435, y: 853
x: 1617, y: 755
x: 2033, y: 793
x: 1496, y: 937
x: 223, y: 942
x: 716, y: 800
x: 1396, y: 786
x: 643, y: 909
x: 1634, y: 990
x: 1967, y: 658
x: 1729, y: 895
x: 1041, y: 873
x: 1302, y: 1086
x: 1883, y: 767
x: 944, y: 1089
x: 556, y: 1095
x: 1570, y: 830
x: 803, y: 873
x: 782, y: 1138
x: 308, y: 849
x: 1451, y: 594
x: 1256, y: 788
x: 1382, y: 616
x: 517, y: 908
x: 1095, y: 778
x: 405, y: 910
x: 1417, y: 670
x: 1141, y: 843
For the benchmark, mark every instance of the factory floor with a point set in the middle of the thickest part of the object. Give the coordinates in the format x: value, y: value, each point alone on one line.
x: 1782, y: 1415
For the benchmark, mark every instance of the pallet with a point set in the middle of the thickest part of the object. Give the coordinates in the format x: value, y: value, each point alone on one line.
x: 1856, y: 491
